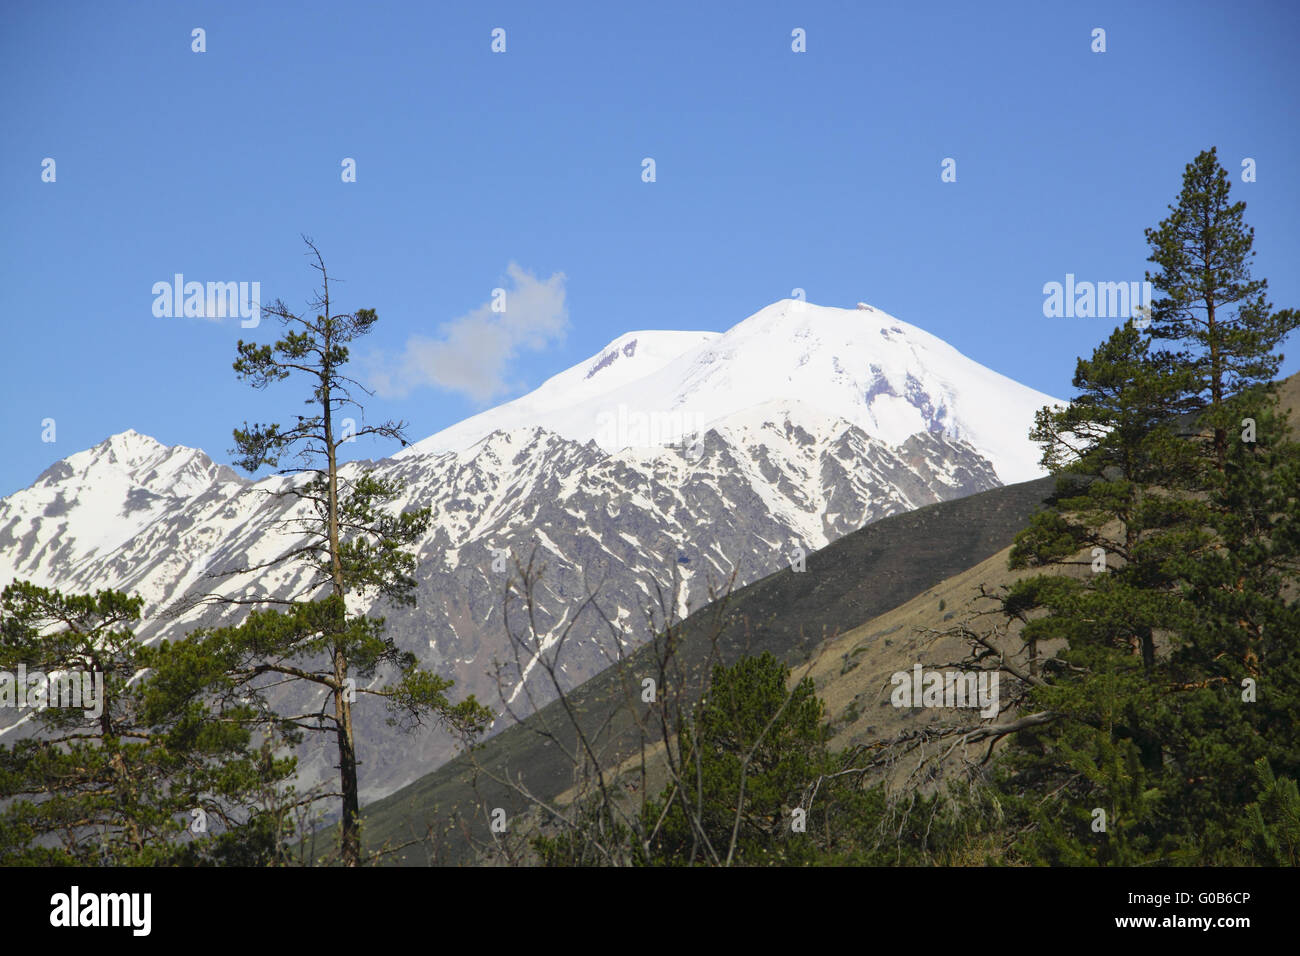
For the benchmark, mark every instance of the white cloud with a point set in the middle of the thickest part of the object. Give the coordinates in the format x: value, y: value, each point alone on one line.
x: 472, y: 354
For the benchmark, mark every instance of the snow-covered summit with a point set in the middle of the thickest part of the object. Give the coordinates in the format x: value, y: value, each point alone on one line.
x: 561, y: 403
x: 171, y: 470
x: 888, y: 377
x: 109, y: 493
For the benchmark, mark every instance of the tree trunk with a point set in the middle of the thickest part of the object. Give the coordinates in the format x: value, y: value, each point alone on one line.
x: 1216, y: 393
x: 350, y: 824
x: 1148, y: 642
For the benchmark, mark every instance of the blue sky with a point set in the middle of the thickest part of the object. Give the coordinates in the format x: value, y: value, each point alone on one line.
x: 523, y: 170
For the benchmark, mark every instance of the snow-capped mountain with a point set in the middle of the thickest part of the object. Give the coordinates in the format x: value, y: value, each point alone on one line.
x: 793, y: 428
x: 889, y: 378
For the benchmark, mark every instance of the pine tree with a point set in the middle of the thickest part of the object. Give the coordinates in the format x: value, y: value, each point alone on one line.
x: 1236, y: 635
x: 1163, y: 743
x: 129, y: 785
x: 1163, y: 649
x: 748, y: 753
x: 353, y: 541
x: 1236, y: 666
x: 1117, y: 516
x: 1208, y: 301
x: 1119, y: 461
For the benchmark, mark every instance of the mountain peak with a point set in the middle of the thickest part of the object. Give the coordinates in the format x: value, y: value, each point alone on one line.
x: 130, y: 448
x: 861, y: 364
x: 145, y: 462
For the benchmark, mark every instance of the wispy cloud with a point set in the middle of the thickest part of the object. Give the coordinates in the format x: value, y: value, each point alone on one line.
x: 472, y: 354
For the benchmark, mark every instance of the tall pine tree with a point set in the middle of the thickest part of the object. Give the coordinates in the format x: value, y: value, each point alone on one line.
x: 1208, y: 301
x: 353, y: 539
x: 1177, y: 475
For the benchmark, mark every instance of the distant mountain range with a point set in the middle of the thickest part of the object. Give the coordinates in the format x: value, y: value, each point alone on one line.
x: 707, y: 453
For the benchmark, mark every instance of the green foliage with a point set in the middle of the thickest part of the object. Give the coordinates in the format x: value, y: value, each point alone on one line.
x: 751, y: 746
x: 1272, y: 827
x: 1102, y: 754
x: 1240, y: 633
x: 1165, y: 742
x: 121, y: 787
x: 372, y: 551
